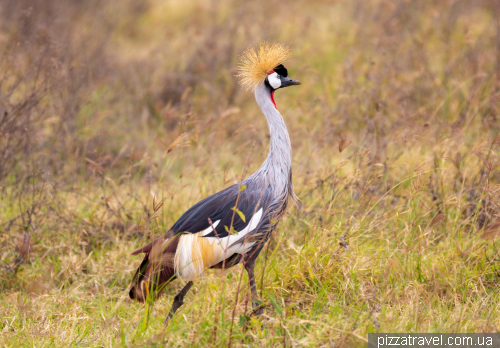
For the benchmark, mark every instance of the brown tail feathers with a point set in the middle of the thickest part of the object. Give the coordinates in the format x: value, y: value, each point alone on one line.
x: 156, y: 269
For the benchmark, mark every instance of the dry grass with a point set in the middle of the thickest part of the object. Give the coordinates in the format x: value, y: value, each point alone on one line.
x: 395, y: 138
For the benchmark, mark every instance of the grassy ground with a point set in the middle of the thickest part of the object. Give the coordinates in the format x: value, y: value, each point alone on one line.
x: 395, y: 137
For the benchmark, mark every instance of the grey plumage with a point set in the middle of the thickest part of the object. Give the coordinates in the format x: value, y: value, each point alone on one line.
x: 201, y: 238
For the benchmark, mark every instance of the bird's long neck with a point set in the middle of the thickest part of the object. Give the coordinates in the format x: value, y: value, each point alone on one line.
x: 276, y: 169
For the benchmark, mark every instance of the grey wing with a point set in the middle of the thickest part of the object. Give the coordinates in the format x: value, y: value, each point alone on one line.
x: 216, y: 212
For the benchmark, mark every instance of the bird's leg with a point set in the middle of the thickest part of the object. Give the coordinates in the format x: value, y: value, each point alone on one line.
x: 256, y: 304
x: 178, y: 301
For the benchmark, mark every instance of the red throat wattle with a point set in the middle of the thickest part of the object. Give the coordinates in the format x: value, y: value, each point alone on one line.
x: 272, y: 93
x: 272, y: 99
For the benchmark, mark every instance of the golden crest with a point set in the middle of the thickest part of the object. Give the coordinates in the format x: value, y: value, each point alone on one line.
x: 256, y: 63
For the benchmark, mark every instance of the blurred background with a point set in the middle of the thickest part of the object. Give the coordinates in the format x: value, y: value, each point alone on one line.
x: 89, y: 88
x: 106, y: 103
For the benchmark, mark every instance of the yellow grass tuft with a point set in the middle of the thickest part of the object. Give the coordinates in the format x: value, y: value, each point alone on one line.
x: 257, y: 63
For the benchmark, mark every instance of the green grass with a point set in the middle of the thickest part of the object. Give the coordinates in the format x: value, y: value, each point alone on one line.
x: 395, y: 160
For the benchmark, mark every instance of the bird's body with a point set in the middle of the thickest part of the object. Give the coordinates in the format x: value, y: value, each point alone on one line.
x: 230, y: 226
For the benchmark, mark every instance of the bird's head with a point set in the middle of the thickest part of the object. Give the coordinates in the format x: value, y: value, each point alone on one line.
x: 278, y: 78
x: 265, y: 65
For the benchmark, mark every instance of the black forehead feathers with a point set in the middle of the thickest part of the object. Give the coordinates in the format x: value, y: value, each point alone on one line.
x: 281, y: 70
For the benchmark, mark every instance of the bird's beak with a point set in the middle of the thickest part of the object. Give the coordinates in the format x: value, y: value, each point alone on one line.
x: 286, y: 82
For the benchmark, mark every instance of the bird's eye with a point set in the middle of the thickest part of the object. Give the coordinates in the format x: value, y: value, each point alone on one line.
x: 278, y: 76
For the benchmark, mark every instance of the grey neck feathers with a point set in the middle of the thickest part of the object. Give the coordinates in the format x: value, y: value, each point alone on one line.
x: 277, y: 168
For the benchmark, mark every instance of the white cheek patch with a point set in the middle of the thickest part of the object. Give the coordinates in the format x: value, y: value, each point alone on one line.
x: 274, y: 81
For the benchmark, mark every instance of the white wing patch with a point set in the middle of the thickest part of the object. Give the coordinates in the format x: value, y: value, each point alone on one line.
x: 196, y: 253
x: 254, y: 221
x: 210, y: 228
x: 187, y: 260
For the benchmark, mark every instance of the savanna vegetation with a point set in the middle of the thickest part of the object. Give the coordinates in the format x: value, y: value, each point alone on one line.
x: 117, y: 116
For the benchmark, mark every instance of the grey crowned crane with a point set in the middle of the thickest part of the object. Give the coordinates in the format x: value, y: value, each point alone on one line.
x: 230, y: 226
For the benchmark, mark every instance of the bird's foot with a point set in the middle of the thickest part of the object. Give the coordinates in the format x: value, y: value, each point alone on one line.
x: 258, y: 308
